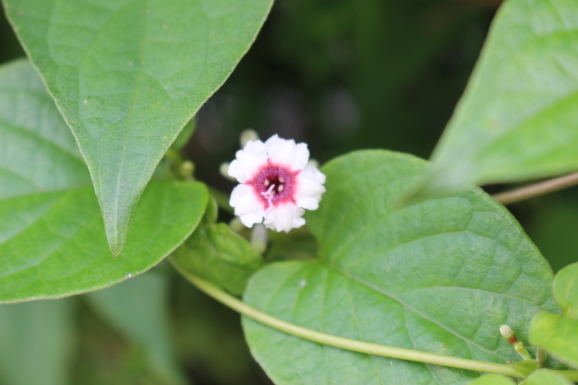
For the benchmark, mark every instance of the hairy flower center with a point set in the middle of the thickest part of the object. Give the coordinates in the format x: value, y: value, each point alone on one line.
x: 274, y: 184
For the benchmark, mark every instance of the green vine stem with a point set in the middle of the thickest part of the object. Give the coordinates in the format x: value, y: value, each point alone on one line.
x: 353, y: 345
x: 537, y: 189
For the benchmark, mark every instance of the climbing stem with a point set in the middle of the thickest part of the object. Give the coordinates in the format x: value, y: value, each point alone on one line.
x: 537, y: 189
x: 349, y: 344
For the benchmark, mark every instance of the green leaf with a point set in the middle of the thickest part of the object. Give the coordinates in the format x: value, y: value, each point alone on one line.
x: 546, y: 377
x: 36, y: 342
x: 127, y: 75
x: 138, y: 309
x: 492, y: 379
x: 52, y: 239
x: 440, y: 276
x: 566, y: 289
x: 558, y: 334
x: 217, y: 254
x: 517, y: 119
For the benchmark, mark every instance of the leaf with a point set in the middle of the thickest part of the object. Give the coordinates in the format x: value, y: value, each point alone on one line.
x: 439, y: 276
x: 492, y: 379
x: 138, y: 309
x: 566, y: 290
x: 127, y: 75
x: 217, y: 254
x: 36, y: 342
x: 52, y: 240
x: 558, y: 334
x: 518, y: 116
x: 546, y: 377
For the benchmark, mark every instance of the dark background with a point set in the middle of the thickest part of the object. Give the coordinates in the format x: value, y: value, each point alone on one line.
x: 340, y: 75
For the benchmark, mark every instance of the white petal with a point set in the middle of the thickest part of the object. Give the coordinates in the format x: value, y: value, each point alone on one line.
x: 245, y: 201
x: 237, y: 193
x: 298, y: 222
x: 284, y: 217
x: 282, y: 151
x: 249, y: 161
x: 236, y: 171
x: 256, y: 147
x: 301, y: 156
x: 310, y: 183
x: 309, y: 203
x: 250, y: 219
x: 311, y: 172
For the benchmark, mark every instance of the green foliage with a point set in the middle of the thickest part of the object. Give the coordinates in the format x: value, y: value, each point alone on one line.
x: 546, y: 377
x: 438, y: 275
x: 517, y: 119
x: 540, y: 377
x: 492, y: 379
x: 138, y: 309
x: 54, y: 243
x: 566, y: 290
x: 128, y: 75
x: 558, y: 334
x: 36, y: 342
x: 441, y: 276
x: 217, y: 254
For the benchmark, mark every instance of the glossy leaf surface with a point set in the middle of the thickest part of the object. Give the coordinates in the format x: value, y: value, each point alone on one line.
x: 517, y: 119
x: 439, y: 276
x: 127, y: 75
x: 52, y: 239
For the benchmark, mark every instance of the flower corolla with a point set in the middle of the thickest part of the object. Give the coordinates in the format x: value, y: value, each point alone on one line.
x: 275, y: 184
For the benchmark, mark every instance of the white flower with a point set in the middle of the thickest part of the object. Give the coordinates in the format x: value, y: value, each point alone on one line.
x: 275, y: 183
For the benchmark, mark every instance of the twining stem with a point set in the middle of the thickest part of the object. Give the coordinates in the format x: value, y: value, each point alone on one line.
x: 354, y: 345
x: 537, y: 189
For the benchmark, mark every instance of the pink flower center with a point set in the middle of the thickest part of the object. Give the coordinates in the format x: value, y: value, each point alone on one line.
x: 274, y: 184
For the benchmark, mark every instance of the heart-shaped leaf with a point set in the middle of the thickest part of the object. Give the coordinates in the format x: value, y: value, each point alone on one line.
x: 517, y: 119
x: 128, y: 74
x: 440, y: 276
x: 558, y: 334
x: 52, y: 239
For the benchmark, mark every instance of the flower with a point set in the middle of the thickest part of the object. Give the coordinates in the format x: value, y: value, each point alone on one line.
x: 275, y: 183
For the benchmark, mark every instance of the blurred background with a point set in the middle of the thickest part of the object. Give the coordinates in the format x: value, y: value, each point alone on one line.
x: 340, y: 75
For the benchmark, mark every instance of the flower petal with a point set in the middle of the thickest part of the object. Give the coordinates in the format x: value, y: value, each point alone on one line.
x: 245, y: 201
x: 309, y: 203
x: 284, y: 217
x: 236, y: 171
x: 249, y: 161
x: 310, y: 183
x: 301, y: 156
x: 287, y: 153
x: 250, y: 219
